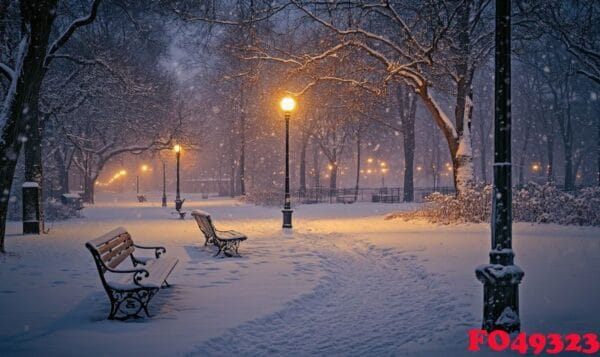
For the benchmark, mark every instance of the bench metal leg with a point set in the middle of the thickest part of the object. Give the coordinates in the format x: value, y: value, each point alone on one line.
x: 129, y: 304
x: 221, y: 246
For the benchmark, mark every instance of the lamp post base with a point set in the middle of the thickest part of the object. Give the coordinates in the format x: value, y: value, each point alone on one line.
x: 500, y: 296
x: 164, y: 201
x: 287, y: 218
x: 178, y: 204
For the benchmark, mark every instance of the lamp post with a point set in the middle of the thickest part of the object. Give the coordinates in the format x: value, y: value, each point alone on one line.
x: 287, y: 105
x: 164, y: 196
x: 178, y: 201
x: 501, y: 277
x: 383, y: 171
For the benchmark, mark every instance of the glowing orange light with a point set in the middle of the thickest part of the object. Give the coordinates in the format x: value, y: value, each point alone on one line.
x: 287, y: 104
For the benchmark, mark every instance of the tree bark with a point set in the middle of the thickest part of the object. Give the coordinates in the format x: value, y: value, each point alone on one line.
x: 303, y: 148
x: 408, y: 109
x: 358, y: 150
x: 316, y: 168
x: 550, y: 153
x: 89, y: 184
x: 333, y: 176
x: 459, y: 145
x: 568, y: 150
x: 523, y: 154
x: 29, y: 72
x: 242, y: 165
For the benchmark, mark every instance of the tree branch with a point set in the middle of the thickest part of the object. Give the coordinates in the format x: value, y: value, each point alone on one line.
x: 62, y: 39
x: 7, y: 71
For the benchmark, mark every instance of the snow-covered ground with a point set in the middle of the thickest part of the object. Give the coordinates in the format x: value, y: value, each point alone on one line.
x: 344, y: 281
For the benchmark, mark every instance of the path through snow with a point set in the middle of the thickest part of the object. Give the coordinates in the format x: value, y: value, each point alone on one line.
x: 370, y: 301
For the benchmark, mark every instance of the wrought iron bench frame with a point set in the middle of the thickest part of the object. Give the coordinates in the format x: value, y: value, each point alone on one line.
x: 226, y: 241
x: 137, y: 296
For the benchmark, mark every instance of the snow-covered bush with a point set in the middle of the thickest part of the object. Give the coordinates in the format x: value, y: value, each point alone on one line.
x: 264, y: 197
x: 54, y: 210
x: 534, y: 203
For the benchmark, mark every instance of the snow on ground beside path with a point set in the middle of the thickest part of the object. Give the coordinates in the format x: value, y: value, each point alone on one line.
x: 343, y: 282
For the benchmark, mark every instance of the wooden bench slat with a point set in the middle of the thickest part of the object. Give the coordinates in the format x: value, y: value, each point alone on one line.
x: 124, y: 255
x: 113, y: 243
x: 107, y: 237
x: 117, y: 250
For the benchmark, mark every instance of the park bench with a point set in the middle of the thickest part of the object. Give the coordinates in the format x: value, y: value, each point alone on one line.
x: 130, y: 287
x: 72, y: 200
x: 345, y: 199
x: 226, y: 241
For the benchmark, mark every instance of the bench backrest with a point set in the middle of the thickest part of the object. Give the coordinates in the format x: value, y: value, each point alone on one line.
x: 111, y: 248
x: 205, y: 224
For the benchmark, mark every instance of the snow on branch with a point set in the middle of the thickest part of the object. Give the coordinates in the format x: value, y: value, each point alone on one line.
x: 354, y: 83
x: 66, y: 35
x: 7, y: 71
x: 261, y: 16
x: 91, y: 62
x: 12, y: 90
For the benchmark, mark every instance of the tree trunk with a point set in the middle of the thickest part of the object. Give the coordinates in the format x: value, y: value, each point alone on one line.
x: 550, y: 152
x: 462, y: 158
x: 459, y: 143
x: 89, y: 184
x: 242, y: 166
x: 232, y: 180
x: 523, y: 154
x: 303, y: 147
x: 29, y: 72
x: 316, y: 168
x: 333, y: 175
x: 358, y: 149
x: 33, y: 164
x: 568, y: 148
x: 569, y: 177
x: 408, y: 109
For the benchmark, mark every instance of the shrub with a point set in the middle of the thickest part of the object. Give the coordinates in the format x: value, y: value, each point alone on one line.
x: 54, y: 210
x: 534, y: 203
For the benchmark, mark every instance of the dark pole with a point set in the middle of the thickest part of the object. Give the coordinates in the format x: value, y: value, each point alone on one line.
x: 178, y: 201
x: 137, y: 184
x: 501, y: 277
x: 164, y: 196
x: 287, y: 211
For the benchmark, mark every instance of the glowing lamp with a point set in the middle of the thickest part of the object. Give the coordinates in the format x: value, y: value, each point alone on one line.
x: 287, y: 104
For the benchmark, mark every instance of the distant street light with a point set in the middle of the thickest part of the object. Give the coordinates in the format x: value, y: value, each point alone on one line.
x: 287, y: 105
x: 384, y: 169
x: 178, y: 201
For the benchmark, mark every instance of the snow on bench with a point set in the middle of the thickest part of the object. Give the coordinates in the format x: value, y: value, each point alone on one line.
x: 129, y: 289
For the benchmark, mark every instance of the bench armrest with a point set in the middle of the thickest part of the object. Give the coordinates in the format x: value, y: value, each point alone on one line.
x: 137, y: 273
x: 157, y: 250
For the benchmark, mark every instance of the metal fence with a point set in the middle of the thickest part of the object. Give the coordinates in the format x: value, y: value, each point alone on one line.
x: 350, y: 195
